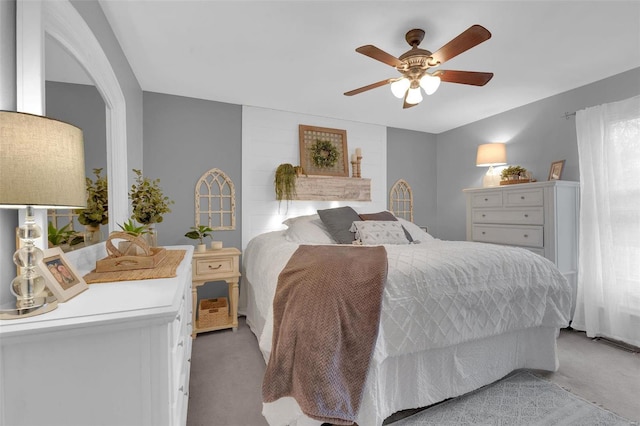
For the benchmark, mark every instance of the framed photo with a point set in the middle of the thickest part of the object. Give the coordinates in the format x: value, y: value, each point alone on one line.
x: 323, y: 151
x: 555, y: 173
x: 61, y: 277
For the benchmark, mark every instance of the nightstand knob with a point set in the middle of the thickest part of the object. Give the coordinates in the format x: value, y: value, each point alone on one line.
x: 217, y: 267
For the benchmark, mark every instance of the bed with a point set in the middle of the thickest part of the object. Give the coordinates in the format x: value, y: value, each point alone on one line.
x: 455, y: 316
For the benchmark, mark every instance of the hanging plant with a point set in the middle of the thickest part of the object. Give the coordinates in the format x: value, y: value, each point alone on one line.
x: 324, y: 154
x: 285, y: 182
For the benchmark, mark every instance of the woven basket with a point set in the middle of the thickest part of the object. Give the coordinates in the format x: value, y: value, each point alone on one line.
x: 213, y: 312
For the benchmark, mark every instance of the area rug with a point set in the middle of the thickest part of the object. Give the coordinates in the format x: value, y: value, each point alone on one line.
x: 521, y: 399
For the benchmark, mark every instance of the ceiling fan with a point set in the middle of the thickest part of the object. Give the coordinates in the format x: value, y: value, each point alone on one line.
x: 415, y: 65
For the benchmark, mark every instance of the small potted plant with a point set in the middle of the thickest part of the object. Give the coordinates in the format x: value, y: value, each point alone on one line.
x: 97, y: 211
x: 200, y: 232
x: 132, y: 228
x: 65, y: 237
x: 149, y: 204
x: 513, y: 173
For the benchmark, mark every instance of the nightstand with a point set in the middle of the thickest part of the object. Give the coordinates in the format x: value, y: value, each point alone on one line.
x: 216, y: 265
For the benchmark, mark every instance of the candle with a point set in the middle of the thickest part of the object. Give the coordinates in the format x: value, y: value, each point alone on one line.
x: 358, y: 152
x: 353, y: 158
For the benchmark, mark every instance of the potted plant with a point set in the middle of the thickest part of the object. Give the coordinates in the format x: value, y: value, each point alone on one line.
x: 97, y: 211
x: 149, y: 204
x: 64, y: 237
x: 132, y: 228
x: 200, y: 232
x: 513, y: 173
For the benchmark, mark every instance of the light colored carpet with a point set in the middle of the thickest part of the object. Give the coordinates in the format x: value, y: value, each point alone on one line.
x: 520, y: 399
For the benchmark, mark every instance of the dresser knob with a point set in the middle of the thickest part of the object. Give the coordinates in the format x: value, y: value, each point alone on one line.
x: 526, y: 215
x: 483, y: 232
x: 181, y: 389
x: 178, y: 317
x: 182, y: 342
x: 522, y: 197
x: 486, y: 199
x: 483, y: 215
x: 526, y: 236
x: 217, y: 267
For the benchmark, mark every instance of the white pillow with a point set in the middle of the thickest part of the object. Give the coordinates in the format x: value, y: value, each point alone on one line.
x: 375, y: 232
x: 418, y: 234
x: 307, y: 218
x: 305, y: 231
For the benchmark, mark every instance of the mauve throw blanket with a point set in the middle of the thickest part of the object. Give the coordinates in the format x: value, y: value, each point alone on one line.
x: 326, y: 313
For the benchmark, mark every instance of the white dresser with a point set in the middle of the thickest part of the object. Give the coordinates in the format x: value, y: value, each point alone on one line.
x: 540, y: 216
x: 117, y: 354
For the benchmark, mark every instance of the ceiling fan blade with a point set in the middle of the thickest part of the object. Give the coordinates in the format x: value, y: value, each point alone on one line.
x: 465, y: 77
x: 368, y: 87
x: 472, y: 36
x: 379, y: 55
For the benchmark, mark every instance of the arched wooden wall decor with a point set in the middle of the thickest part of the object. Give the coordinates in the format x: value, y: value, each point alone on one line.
x: 215, y: 197
x: 401, y: 200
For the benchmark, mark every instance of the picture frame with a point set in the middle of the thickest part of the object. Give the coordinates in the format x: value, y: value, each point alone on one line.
x: 61, y: 277
x: 313, y: 141
x: 555, y: 172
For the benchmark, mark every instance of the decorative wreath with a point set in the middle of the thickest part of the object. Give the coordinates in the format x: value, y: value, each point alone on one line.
x: 324, y: 154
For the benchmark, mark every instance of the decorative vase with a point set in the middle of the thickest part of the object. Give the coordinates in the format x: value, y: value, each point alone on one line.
x: 201, y: 248
x: 92, y: 234
x: 216, y: 245
x: 151, y: 236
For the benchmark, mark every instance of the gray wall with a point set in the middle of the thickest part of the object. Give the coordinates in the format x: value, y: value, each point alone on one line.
x: 184, y: 138
x: 411, y: 156
x: 93, y: 15
x: 536, y: 135
x: 82, y: 106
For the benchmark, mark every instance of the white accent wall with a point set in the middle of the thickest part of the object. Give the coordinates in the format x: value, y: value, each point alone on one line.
x: 270, y: 138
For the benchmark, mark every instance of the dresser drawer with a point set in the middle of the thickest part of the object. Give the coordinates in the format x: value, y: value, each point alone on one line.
x: 531, y: 236
x: 512, y: 216
x: 210, y: 268
x: 524, y: 197
x: 492, y: 199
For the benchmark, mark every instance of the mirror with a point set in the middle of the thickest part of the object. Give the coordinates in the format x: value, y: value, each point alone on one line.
x: 62, y: 23
x: 71, y: 96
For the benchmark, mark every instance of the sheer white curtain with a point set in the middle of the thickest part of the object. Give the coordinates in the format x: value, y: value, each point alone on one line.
x: 609, y: 262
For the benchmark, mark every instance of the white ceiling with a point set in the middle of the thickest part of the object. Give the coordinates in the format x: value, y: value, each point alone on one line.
x: 299, y: 55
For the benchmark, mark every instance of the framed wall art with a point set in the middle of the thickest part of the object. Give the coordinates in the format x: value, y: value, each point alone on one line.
x: 323, y: 151
x: 555, y: 172
x: 62, y: 279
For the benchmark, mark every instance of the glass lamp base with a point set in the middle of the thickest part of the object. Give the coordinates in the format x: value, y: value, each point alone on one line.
x: 41, y: 305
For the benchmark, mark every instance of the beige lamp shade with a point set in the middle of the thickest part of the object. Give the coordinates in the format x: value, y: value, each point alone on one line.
x: 491, y: 154
x: 41, y: 162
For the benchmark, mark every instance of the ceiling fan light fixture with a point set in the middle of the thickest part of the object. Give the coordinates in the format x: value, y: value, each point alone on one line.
x: 429, y: 83
x: 414, y: 96
x: 399, y: 87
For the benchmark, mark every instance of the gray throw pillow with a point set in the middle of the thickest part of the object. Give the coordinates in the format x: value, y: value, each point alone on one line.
x: 338, y: 222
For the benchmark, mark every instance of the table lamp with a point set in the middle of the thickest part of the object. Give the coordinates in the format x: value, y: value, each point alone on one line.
x: 491, y: 154
x: 41, y: 166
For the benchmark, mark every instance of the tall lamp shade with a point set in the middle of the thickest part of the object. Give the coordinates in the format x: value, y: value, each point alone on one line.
x: 41, y: 166
x: 489, y: 155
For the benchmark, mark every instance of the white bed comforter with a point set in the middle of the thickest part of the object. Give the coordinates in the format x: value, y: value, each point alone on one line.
x: 438, y: 293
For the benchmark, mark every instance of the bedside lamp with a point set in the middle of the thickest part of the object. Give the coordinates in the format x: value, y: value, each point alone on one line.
x: 491, y: 154
x: 41, y: 166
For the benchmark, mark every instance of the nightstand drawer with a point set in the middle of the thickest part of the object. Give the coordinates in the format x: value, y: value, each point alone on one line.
x: 526, y: 197
x: 524, y: 216
x: 492, y: 199
x: 213, y: 267
x: 531, y: 236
